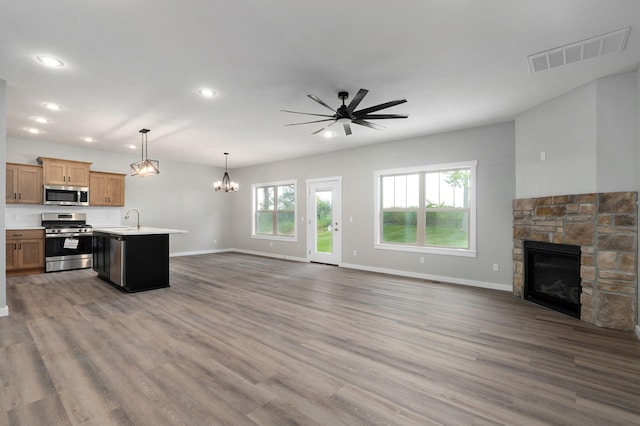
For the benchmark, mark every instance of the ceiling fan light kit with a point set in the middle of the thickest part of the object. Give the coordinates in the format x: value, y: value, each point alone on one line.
x: 347, y: 114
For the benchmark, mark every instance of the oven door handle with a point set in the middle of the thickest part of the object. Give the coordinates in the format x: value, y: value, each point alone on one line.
x: 74, y: 235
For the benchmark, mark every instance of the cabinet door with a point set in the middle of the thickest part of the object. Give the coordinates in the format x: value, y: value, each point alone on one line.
x: 116, y: 190
x: 12, y: 255
x: 77, y: 174
x: 24, y: 184
x: 98, y: 190
x: 11, y: 194
x: 101, y: 259
x: 31, y: 253
x: 55, y: 173
x: 29, y: 185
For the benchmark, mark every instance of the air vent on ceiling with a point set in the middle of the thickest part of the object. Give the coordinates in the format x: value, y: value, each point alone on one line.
x: 579, y: 51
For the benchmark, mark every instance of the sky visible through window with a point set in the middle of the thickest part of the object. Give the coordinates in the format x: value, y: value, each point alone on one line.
x: 440, y: 190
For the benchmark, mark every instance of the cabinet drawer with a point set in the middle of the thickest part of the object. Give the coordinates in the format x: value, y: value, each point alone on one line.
x: 25, y: 234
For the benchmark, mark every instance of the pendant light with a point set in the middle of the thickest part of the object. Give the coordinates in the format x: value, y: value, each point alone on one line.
x: 226, y: 184
x: 145, y: 166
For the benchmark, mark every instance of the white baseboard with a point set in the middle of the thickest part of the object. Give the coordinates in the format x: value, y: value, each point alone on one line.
x: 194, y: 253
x: 272, y: 255
x: 4, y: 311
x: 638, y: 331
x: 462, y: 281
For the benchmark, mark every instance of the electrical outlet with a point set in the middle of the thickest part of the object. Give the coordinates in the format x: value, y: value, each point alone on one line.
x: 355, y: 253
x: 215, y: 241
x: 270, y: 244
x: 421, y: 259
x: 496, y: 267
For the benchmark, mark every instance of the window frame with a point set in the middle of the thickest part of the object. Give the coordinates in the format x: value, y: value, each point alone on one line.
x: 422, y: 209
x: 254, y: 212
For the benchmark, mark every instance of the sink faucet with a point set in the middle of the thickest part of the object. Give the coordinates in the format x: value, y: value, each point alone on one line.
x: 126, y: 215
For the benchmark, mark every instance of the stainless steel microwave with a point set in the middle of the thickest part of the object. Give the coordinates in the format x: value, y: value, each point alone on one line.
x: 66, y: 195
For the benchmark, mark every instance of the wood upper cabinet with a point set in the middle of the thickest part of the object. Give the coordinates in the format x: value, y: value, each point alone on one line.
x: 25, y: 251
x: 24, y: 184
x: 64, y: 172
x: 106, y: 189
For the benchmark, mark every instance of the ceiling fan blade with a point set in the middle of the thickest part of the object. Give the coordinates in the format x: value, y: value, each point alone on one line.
x: 356, y: 100
x: 347, y: 129
x: 367, y: 124
x: 318, y: 100
x: 325, y: 127
x: 306, y: 113
x: 381, y: 116
x: 309, y: 122
x: 379, y: 107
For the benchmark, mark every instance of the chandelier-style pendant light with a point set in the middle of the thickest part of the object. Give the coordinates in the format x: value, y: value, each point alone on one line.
x: 145, y: 167
x: 226, y: 184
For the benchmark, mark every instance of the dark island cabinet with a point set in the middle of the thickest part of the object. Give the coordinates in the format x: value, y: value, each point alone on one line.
x: 132, y: 262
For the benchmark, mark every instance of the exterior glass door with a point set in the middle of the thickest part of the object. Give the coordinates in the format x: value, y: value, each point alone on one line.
x: 324, y: 238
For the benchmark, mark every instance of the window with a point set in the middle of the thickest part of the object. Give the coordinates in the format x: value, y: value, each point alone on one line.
x: 429, y: 209
x: 274, y: 210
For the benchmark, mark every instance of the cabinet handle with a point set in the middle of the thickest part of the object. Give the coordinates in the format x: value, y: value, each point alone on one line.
x: 17, y: 235
x: 15, y: 195
x: 19, y: 195
x: 20, y: 246
x: 15, y: 246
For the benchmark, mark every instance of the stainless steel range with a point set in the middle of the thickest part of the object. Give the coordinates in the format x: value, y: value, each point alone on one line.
x: 68, y: 241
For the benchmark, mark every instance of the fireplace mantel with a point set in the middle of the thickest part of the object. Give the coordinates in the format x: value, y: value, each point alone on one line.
x: 604, y: 225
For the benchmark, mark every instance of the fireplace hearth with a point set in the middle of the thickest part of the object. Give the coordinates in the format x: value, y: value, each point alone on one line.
x: 552, y: 276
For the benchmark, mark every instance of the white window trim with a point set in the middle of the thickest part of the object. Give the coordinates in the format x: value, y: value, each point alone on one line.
x: 470, y: 252
x: 294, y: 237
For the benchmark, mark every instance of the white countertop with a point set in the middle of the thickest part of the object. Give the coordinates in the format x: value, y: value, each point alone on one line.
x: 21, y: 228
x: 144, y: 230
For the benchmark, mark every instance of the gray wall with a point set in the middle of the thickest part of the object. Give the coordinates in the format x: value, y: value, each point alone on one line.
x: 3, y: 153
x: 564, y: 129
x: 617, y: 133
x: 590, y: 137
x: 180, y: 197
x: 493, y: 148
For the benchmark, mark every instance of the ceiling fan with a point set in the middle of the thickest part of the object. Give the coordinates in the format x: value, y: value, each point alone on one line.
x: 346, y: 114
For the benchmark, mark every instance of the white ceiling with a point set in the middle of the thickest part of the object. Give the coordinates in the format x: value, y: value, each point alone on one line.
x: 138, y: 64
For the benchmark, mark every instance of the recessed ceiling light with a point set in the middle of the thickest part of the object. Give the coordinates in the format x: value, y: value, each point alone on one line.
x: 32, y: 130
x: 328, y: 134
x: 50, y: 61
x: 40, y: 120
x: 132, y: 147
x: 206, y: 93
x: 51, y: 106
x: 88, y: 139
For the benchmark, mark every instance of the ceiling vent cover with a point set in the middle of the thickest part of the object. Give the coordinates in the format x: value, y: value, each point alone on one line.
x: 579, y: 51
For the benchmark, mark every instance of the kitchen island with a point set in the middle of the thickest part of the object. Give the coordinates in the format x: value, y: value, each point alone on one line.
x: 133, y: 259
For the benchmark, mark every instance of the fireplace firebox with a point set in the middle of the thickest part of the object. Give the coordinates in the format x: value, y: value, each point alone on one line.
x: 552, y: 276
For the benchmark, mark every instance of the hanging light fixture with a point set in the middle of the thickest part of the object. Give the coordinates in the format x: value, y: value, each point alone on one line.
x: 145, y: 166
x: 226, y: 184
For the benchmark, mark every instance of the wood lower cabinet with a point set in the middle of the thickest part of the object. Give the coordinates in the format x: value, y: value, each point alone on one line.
x: 25, y: 251
x: 106, y: 189
x: 24, y: 184
x: 64, y: 172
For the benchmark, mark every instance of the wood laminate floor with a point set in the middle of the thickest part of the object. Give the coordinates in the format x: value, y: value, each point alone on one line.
x: 245, y: 340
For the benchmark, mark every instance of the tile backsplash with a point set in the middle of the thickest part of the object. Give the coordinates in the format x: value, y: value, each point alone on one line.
x: 29, y: 215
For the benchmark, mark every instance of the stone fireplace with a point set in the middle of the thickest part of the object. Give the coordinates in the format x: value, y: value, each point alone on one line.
x: 604, y: 226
